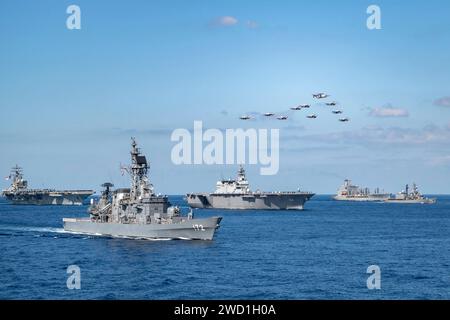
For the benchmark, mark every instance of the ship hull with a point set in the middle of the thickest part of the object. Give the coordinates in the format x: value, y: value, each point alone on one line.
x: 55, y: 198
x: 361, y: 199
x: 263, y: 201
x: 194, y: 229
x: 412, y: 201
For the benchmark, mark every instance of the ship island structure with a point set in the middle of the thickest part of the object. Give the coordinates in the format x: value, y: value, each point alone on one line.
x: 19, y: 193
x: 350, y: 192
x: 138, y: 212
x: 235, y: 194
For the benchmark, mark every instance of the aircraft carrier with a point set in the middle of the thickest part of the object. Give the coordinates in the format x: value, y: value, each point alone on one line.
x: 350, y: 192
x: 137, y: 212
x: 18, y: 193
x: 236, y: 194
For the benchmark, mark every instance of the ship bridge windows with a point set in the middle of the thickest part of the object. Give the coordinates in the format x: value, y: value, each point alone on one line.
x: 141, y: 160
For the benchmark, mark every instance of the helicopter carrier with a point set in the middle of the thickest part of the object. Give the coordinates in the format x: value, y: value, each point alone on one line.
x: 18, y: 193
x: 236, y: 194
x: 137, y: 212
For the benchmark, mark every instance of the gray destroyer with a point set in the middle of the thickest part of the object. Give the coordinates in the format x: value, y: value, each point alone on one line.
x: 410, y: 197
x: 18, y: 193
x: 139, y: 213
x: 236, y: 194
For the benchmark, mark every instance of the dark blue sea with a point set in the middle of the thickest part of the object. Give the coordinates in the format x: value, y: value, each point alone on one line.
x: 320, y: 253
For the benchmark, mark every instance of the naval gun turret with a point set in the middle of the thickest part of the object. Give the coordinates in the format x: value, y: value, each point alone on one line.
x: 101, y: 210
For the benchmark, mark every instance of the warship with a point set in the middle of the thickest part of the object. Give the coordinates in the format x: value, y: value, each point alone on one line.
x: 138, y: 212
x: 350, y: 192
x: 18, y: 193
x: 410, y: 197
x: 236, y: 194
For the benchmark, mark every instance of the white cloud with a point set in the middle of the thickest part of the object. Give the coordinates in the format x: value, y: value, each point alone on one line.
x: 295, y: 128
x: 388, y: 111
x: 442, y: 102
x: 252, y: 24
x: 439, y: 161
x: 225, y: 21
x: 394, y: 136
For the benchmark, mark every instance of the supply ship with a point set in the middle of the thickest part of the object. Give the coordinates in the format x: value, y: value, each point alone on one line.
x: 350, y: 192
x: 18, y: 193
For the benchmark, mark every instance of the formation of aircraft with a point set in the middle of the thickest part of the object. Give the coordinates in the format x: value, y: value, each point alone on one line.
x: 332, y: 103
x: 320, y: 95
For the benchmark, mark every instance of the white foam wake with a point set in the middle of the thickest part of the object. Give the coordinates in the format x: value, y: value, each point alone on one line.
x: 32, y: 229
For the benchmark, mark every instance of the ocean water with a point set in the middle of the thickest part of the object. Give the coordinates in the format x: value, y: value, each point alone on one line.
x: 320, y: 253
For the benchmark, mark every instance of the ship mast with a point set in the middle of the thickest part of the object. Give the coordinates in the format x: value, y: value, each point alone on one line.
x: 241, y: 181
x: 16, y: 172
x: 241, y: 173
x: 140, y: 186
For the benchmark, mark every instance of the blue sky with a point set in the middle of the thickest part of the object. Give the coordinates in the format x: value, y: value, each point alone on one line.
x: 71, y: 99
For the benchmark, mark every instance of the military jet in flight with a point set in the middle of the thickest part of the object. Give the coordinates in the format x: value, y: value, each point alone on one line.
x: 245, y: 117
x: 269, y: 114
x: 337, y: 111
x: 344, y: 119
x: 320, y: 95
x: 331, y: 103
x: 300, y: 107
x: 282, y: 118
x: 311, y: 116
